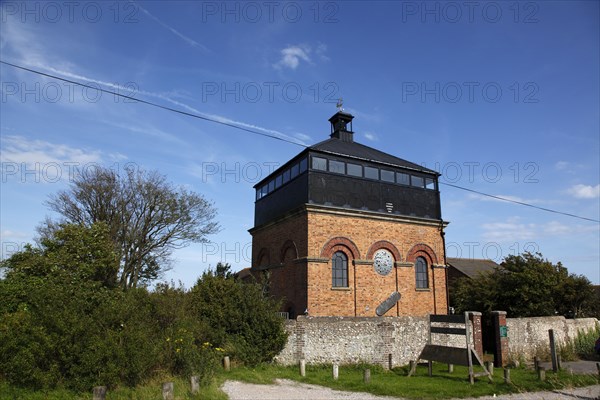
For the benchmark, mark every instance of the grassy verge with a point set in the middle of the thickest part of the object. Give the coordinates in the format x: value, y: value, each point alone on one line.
x: 420, y: 386
x: 390, y: 383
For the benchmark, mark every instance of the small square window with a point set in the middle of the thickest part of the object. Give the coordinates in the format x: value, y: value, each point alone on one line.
x: 294, y: 171
x: 319, y: 163
x: 402, y: 178
x: 264, y: 191
x: 354, y: 169
x: 303, y: 165
x: 271, y: 186
x: 277, y: 181
x: 258, y: 194
x: 286, y: 176
x: 371, y: 173
x: 429, y: 184
x: 387, y: 176
x: 417, y: 181
x: 337, y: 166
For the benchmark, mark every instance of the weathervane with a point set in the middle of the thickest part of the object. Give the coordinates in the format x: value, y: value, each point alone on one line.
x: 339, y: 104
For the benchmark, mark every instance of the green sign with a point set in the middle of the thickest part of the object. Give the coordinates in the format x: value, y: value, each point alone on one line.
x: 503, y: 331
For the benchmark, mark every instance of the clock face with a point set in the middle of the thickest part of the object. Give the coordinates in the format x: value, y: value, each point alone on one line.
x: 383, y: 262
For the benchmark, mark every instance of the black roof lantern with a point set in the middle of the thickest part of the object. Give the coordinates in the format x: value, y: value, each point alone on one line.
x: 341, y: 126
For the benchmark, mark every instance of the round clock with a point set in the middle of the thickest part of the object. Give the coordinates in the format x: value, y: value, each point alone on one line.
x: 383, y: 262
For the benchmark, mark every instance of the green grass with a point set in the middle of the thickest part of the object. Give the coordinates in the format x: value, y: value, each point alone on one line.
x: 419, y: 386
x: 390, y: 383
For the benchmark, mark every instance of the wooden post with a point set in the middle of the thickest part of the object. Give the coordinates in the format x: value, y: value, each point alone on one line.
x: 450, y: 368
x: 506, y: 375
x: 489, y: 365
x: 558, y: 362
x: 303, y: 367
x: 195, y: 381
x: 542, y: 374
x: 411, y: 366
x: 553, y: 350
x: 226, y: 363
x: 390, y: 361
x: 99, y: 393
x: 598, y: 368
x: 536, y: 363
x: 430, y: 368
x: 336, y: 372
x: 168, y: 391
x: 367, y: 376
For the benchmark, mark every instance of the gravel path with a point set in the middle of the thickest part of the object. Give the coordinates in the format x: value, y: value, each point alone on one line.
x: 284, y: 389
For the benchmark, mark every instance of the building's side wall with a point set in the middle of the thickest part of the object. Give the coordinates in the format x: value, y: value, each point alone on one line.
x: 281, y: 248
x: 359, y: 237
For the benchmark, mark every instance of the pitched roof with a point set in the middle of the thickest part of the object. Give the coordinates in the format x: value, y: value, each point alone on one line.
x: 360, y: 151
x: 472, y: 267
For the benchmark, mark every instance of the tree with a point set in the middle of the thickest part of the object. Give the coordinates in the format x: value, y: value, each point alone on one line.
x: 147, y: 218
x: 527, y: 285
x: 242, y: 319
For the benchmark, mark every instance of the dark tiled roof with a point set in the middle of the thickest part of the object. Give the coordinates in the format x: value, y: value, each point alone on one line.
x: 353, y: 149
x: 472, y: 267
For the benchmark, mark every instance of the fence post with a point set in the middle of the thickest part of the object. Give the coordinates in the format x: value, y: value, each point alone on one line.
x: 336, y: 371
x: 226, y: 363
x: 536, y: 363
x: 450, y: 368
x: 168, y: 391
x: 553, y: 350
x: 506, y: 375
x: 367, y: 376
x: 303, y: 367
x: 501, y: 334
x: 195, y: 381
x: 542, y: 374
x: 99, y: 393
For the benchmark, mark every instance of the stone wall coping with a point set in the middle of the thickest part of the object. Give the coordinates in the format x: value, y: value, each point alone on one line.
x: 439, y: 266
x: 499, y: 312
x: 321, y: 319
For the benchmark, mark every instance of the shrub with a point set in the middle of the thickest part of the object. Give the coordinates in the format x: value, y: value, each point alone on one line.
x: 582, y: 346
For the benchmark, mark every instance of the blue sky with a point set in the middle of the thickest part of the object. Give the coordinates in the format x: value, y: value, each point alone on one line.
x: 501, y: 97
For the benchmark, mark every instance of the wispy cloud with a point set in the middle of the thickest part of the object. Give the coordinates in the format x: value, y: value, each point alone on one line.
x: 20, y: 150
x: 292, y: 55
x: 186, y: 39
x: 161, y: 96
x: 513, y: 229
x: 371, y: 136
x: 584, y: 191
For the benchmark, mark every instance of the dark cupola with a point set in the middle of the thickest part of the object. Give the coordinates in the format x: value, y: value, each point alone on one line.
x: 341, y: 126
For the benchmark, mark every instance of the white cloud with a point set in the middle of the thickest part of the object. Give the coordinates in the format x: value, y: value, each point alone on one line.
x: 561, y: 165
x: 371, y: 136
x: 17, y: 149
x: 292, y: 55
x: 513, y: 230
x: 584, y: 191
x: 503, y: 196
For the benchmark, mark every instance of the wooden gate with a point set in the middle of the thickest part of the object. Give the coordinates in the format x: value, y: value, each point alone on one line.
x: 447, y: 354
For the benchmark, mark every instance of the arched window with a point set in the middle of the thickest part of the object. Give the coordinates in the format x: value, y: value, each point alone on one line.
x: 339, y: 270
x: 421, y: 273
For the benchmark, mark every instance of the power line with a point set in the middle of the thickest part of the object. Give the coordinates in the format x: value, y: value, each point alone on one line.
x: 193, y: 115
x: 189, y: 114
x: 520, y: 202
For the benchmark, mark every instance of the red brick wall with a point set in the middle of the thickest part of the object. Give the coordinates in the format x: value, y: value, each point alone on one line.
x: 319, y: 231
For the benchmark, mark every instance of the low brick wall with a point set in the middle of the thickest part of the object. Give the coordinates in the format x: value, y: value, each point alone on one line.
x: 349, y: 340
x: 525, y: 335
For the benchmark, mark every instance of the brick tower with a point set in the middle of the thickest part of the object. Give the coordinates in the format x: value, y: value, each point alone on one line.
x: 342, y: 226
